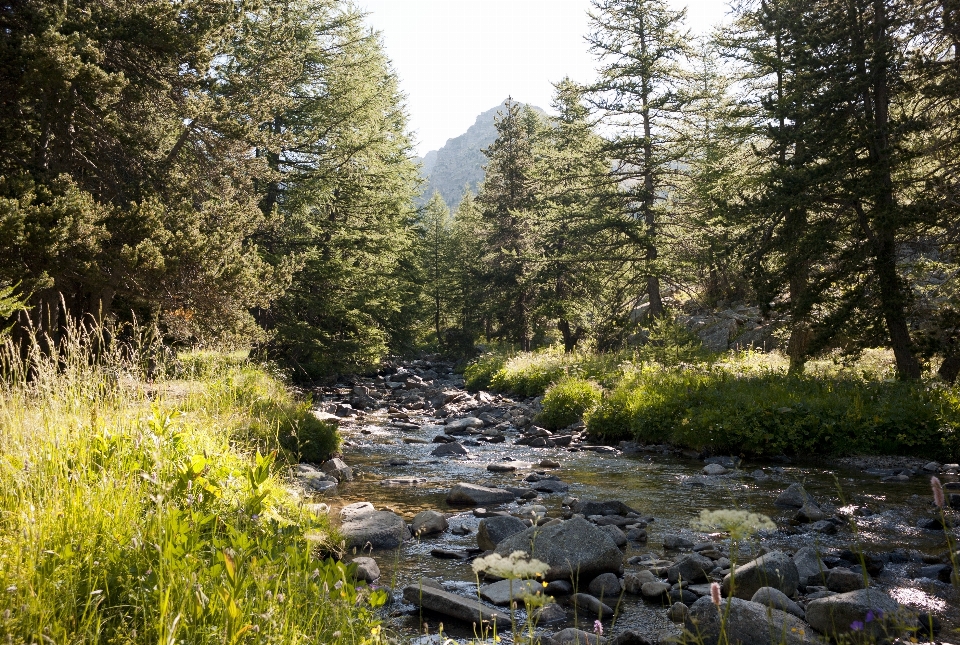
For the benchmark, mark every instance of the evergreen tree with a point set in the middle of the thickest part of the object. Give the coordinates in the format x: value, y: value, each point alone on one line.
x: 435, y: 228
x: 640, y: 45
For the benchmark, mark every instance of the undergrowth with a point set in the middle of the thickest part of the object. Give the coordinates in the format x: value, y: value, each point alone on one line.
x: 135, y: 512
x: 742, y: 403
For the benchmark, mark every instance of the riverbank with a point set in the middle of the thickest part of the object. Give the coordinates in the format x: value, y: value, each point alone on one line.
x: 138, y: 510
x: 413, y: 437
x: 743, y: 403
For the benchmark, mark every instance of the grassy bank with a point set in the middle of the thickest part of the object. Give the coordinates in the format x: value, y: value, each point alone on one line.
x: 135, y: 512
x: 742, y: 404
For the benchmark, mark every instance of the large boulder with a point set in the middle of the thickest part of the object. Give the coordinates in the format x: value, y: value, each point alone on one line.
x: 795, y: 496
x: 428, y: 523
x: 589, y: 507
x: 843, y: 580
x: 505, y: 591
x: 449, y: 450
x: 572, y: 549
x: 378, y: 529
x: 469, y: 610
x: 775, y: 569
x: 474, y: 495
x: 745, y: 622
x: 461, y: 426
x: 770, y: 597
x: 494, y: 530
x: 336, y: 467
x: 367, y: 569
x: 862, y: 610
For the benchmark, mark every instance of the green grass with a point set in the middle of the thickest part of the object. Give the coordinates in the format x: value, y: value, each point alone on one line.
x: 741, y: 403
x: 158, y: 513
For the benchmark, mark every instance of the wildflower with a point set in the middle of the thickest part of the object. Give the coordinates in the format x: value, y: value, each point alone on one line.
x: 598, y: 628
x: 518, y: 565
x: 937, y: 491
x: 871, y: 616
x: 856, y: 625
x: 715, y: 593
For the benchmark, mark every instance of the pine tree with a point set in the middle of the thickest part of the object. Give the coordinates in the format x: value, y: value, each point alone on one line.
x: 640, y: 45
x: 435, y: 229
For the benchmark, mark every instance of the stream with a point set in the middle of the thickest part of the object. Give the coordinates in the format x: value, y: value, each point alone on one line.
x: 875, y: 503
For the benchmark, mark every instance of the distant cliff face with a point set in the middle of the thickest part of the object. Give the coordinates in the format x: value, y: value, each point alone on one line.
x: 460, y: 162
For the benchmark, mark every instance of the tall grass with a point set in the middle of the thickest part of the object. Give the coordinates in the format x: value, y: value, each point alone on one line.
x: 156, y: 512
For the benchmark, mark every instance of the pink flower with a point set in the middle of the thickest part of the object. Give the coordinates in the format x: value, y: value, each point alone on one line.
x: 937, y: 491
x: 598, y: 628
x: 715, y: 593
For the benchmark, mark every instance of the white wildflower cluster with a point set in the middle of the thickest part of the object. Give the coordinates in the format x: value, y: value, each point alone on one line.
x: 517, y: 566
x: 739, y: 524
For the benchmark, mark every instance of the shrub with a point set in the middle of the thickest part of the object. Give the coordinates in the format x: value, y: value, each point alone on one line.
x: 478, y: 375
x: 567, y: 401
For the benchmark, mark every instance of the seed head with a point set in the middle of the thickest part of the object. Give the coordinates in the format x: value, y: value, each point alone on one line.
x: 937, y: 492
x: 715, y: 593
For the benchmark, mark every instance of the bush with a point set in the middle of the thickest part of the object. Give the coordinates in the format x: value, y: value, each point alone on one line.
x: 478, y: 375
x: 773, y: 413
x: 567, y: 401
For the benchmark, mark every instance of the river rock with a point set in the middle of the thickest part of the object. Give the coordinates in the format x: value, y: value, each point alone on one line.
x: 460, y: 426
x: 549, y: 614
x: 573, y: 636
x: 550, y: 486
x: 501, y: 468
x: 714, y: 469
x: 691, y: 568
x: 632, y: 581
x: 745, y: 622
x: 428, y: 523
x: 379, y: 529
x: 654, y: 590
x: 839, y: 614
x: 463, y: 494
x: 606, y: 585
x: 493, y: 530
x: 558, y: 588
x: 591, y: 607
x: 810, y: 513
x: 449, y: 450
x: 587, y: 507
x: 843, y: 580
x: 338, y: 468
x: 354, y: 511
x: 673, y: 542
x: 468, y: 610
x: 775, y: 569
x: 572, y: 548
x: 678, y: 612
x: 770, y: 597
x: 795, y: 496
x: 367, y: 569
x: 499, y: 593
x: 619, y: 537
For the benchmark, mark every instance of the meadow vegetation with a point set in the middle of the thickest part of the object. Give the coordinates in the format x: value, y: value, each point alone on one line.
x: 137, y: 510
x: 739, y: 402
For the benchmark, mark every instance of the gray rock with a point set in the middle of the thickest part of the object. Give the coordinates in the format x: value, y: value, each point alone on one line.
x: 337, y: 468
x: 713, y: 469
x: 504, y: 591
x: 654, y: 590
x: 770, y: 597
x: 460, y: 426
x: 501, y: 468
x: 834, y: 615
x: 673, y: 542
x: 549, y: 614
x: 473, y: 495
x: 637, y: 535
x: 493, y: 530
x: 468, y: 610
x: 810, y: 513
x: 317, y: 482
x: 355, y: 510
x: 632, y: 637
x: 843, y: 580
x: 571, y: 549
x: 795, y: 496
x: 588, y: 507
x: 558, y: 588
x: 634, y: 580
x: 590, y: 607
x: 428, y: 523
x: 367, y: 569
x: 573, y: 636
x: 379, y: 529
x: 619, y: 537
x: 690, y: 568
x: 550, y: 486
x: 678, y: 612
x: 745, y: 622
x: 606, y: 585
x: 449, y: 450
x: 775, y: 569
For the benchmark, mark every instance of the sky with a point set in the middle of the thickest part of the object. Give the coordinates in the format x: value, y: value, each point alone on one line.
x: 458, y: 58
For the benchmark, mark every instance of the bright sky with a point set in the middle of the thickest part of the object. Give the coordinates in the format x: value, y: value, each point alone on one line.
x: 458, y: 58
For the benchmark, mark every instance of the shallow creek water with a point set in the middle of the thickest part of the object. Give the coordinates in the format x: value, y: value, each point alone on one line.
x: 668, y: 487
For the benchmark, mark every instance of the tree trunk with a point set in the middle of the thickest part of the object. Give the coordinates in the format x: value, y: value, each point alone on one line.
x: 950, y: 368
